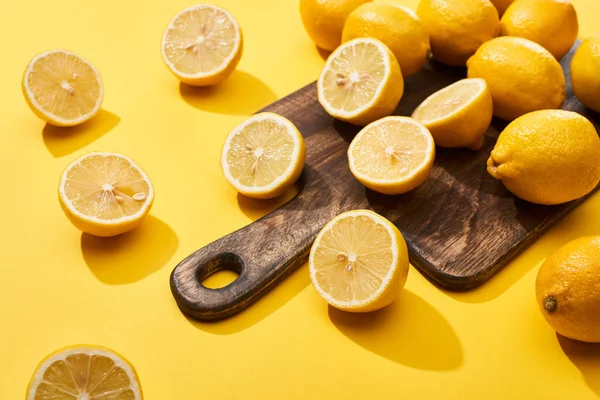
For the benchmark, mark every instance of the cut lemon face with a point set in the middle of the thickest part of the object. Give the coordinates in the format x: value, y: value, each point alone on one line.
x: 392, y: 155
x: 84, y: 373
x: 361, y: 82
x: 458, y: 115
x: 202, y: 45
x: 105, y: 194
x: 359, y: 262
x: 263, y: 156
x: 62, y: 88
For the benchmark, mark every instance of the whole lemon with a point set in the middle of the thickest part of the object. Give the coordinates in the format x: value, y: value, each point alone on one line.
x: 458, y: 27
x: 397, y: 27
x: 502, y: 5
x: 547, y: 157
x: 324, y: 20
x: 550, y: 23
x: 521, y: 75
x: 567, y: 289
x: 585, y: 73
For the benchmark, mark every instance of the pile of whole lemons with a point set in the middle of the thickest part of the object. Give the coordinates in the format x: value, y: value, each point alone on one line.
x: 511, y: 50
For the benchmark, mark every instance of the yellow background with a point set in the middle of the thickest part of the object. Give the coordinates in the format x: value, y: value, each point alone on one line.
x: 59, y: 288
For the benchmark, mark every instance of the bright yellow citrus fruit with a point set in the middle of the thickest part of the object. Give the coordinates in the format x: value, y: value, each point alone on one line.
x: 324, y: 20
x: 458, y: 27
x: 105, y: 194
x: 521, y: 75
x: 361, y: 82
x: 263, y: 156
x: 547, y: 157
x: 359, y: 262
x: 550, y: 23
x: 397, y: 27
x: 585, y: 73
x: 84, y: 373
x: 458, y: 115
x: 202, y: 45
x: 567, y: 289
x: 392, y: 156
x: 62, y: 88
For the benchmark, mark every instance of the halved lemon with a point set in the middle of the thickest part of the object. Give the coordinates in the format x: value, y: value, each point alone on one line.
x: 202, y: 45
x: 62, y: 88
x: 361, y: 82
x: 458, y: 115
x: 392, y: 155
x: 359, y: 261
x: 263, y: 156
x: 105, y: 194
x: 84, y: 373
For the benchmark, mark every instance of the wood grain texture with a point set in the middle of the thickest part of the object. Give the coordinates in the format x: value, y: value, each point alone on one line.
x: 461, y: 225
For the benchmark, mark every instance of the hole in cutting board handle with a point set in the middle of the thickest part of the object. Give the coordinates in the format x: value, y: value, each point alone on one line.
x: 221, y: 271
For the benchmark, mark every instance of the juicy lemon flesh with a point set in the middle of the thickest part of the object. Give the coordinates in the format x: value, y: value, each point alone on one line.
x: 82, y: 376
x: 354, y: 77
x: 390, y: 150
x: 200, y: 40
x: 260, y: 153
x: 353, y: 259
x: 447, y: 101
x: 64, y: 85
x: 106, y: 187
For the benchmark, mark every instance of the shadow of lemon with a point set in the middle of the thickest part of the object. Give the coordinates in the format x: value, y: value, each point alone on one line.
x: 240, y: 94
x: 409, y: 332
x: 586, y: 357
x: 64, y: 141
x: 132, y: 256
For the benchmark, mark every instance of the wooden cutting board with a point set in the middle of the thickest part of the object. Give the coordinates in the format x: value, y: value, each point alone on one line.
x: 461, y: 225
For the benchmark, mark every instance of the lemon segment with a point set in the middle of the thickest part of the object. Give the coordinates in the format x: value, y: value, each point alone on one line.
x: 84, y: 373
x: 458, y: 115
x: 105, y: 194
x: 359, y: 262
x: 361, y: 82
x: 202, y: 45
x: 62, y: 88
x: 392, y: 156
x: 263, y: 156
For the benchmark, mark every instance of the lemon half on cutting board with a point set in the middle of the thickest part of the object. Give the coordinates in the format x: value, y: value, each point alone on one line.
x: 62, y: 88
x: 202, y: 45
x: 361, y: 82
x: 84, y: 373
x: 105, y: 194
x: 263, y: 156
x: 359, y: 262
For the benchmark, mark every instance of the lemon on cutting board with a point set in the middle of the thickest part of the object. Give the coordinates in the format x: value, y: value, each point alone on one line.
x: 62, y: 88
x: 550, y: 23
x: 105, y: 194
x: 458, y: 27
x: 263, y: 156
x: 397, y: 27
x: 84, y: 373
x: 458, y: 115
x: 392, y: 155
x: 359, y: 262
x: 585, y: 73
x: 361, y: 82
x: 521, y: 75
x: 324, y: 20
x: 567, y: 289
x: 547, y: 157
x: 202, y: 45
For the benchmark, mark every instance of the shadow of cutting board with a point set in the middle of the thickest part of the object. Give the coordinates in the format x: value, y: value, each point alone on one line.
x: 461, y: 225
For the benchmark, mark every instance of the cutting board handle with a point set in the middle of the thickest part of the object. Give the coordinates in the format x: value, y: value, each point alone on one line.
x: 262, y: 253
